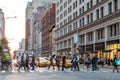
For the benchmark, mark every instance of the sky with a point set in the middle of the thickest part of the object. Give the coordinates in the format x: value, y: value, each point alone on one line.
x: 14, y: 27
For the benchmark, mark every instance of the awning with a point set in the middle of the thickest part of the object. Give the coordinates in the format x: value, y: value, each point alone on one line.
x: 107, y: 50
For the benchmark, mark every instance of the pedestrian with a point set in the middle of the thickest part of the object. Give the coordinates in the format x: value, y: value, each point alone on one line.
x: 77, y: 59
x: 73, y: 63
x: 115, y: 65
x: 19, y: 58
x: 51, y: 62
x: 63, y: 62
x: 102, y: 60
x: 23, y: 61
x: 0, y: 63
x: 87, y: 61
x: 33, y: 62
x: 58, y: 62
x: 27, y: 62
x: 95, y: 63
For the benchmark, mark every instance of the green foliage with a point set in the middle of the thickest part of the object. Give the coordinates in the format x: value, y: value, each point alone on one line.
x: 3, y: 44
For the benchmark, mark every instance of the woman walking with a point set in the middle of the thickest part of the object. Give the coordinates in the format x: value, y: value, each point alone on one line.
x: 87, y: 61
x: 115, y: 65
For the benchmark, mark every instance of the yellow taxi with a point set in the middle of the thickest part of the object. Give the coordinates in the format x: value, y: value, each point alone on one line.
x: 67, y: 64
x: 41, y: 62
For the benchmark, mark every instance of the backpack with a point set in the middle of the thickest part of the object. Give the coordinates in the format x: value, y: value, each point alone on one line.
x: 117, y: 62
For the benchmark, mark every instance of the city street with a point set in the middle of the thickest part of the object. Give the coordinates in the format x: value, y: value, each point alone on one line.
x: 44, y: 74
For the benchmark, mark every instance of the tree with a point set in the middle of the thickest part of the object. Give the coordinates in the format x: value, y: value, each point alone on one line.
x: 4, y: 44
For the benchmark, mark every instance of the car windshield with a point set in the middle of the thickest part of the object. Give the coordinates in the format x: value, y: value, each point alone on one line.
x: 42, y: 59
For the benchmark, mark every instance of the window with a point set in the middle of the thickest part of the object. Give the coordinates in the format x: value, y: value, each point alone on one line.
x: 111, y: 31
x: 82, y: 40
x: 80, y: 11
x: 83, y: 9
x: 69, y: 28
x: 65, y: 21
x: 60, y: 44
x: 82, y: 21
x: 73, y: 5
x: 65, y: 30
x: 100, y: 34
x: 58, y: 11
x: 69, y: 42
x: 61, y: 32
x: 58, y: 19
x: 69, y: 1
x: 57, y: 34
x: 88, y: 6
x: 61, y: 16
x: 110, y: 7
x: 75, y: 13
x: 91, y: 4
x: 61, y: 1
x: 69, y: 18
x: 79, y: 1
x: 65, y: 44
x: 57, y: 4
x: 75, y: 25
x: 65, y: 4
x: 76, y: 3
x: 88, y: 19
x: 97, y: 1
x: 91, y: 17
x: 57, y: 46
x: 116, y: 5
x: 97, y: 14
x: 57, y: 26
x: 90, y: 36
x: 69, y: 9
x: 61, y: 8
x: 116, y: 29
x: 102, y: 11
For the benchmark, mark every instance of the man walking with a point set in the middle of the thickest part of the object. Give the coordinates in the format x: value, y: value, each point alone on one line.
x: 51, y: 62
x: 63, y: 62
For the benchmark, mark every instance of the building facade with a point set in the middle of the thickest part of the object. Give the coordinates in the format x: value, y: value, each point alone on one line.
x: 97, y: 23
x: 28, y: 32
x: 48, y: 22
x: 2, y: 24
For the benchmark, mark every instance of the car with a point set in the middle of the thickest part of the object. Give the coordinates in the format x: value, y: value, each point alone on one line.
x: 67, y: 64
x: 41, y: 62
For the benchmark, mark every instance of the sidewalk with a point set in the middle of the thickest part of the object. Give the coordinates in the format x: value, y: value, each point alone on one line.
x: 109, y: 67
x: 105, y: 66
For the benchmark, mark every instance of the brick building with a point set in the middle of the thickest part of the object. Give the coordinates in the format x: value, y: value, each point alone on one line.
x: 47, y: 22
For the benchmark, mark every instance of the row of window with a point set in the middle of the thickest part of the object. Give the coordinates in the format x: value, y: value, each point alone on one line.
x: 89, y: 18
x: 113, y: 31
x: 66, y: 12
x: 75, y: 5
x: 64, y: 44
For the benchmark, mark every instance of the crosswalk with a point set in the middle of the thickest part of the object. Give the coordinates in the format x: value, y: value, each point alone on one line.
x: 45, y: 70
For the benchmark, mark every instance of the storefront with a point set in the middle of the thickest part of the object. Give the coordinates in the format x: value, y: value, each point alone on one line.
x: 99, y: 48
x: 114, y: 46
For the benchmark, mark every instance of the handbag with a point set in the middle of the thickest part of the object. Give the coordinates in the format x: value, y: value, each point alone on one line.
x: 117, y: 61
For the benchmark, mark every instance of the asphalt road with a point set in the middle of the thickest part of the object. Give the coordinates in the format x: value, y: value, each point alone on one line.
x: 44, y: 74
